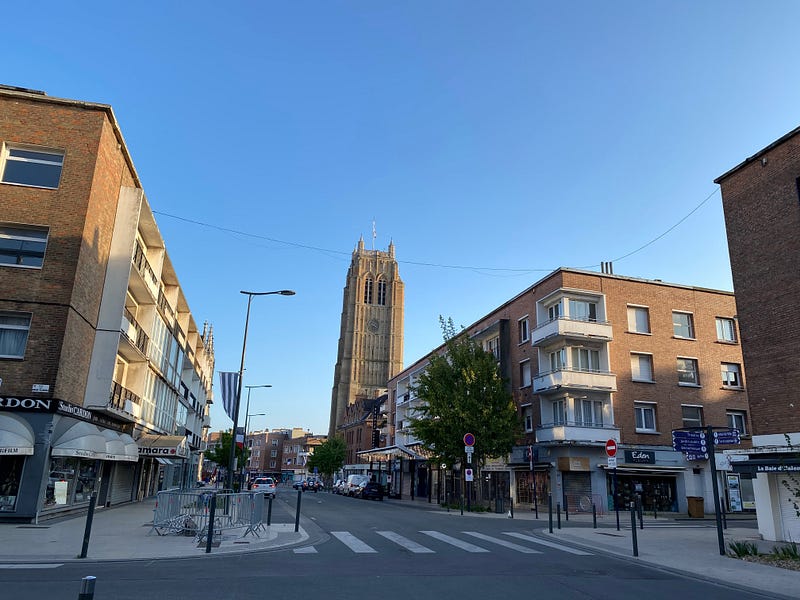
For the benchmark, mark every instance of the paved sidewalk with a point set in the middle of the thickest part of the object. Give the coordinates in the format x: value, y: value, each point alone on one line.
x: 125, y: 533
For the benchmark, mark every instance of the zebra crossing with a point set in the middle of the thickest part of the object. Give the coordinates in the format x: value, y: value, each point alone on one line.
x: 475, y: 543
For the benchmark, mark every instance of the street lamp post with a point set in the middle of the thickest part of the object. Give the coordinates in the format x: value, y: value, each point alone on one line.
x: 232, y: 462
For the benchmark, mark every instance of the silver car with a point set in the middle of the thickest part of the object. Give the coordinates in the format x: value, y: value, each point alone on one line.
x: 266, y: 485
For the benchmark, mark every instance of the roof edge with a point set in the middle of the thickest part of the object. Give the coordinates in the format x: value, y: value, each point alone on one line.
x: 758, y: 154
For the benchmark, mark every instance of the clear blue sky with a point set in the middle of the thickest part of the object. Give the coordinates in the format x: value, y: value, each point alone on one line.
x: 483, y: 135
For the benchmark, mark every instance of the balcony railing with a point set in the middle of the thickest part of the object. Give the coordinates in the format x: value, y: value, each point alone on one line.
x: 565, y: 328
x: 576, y: 431
x: 572, y: 379
x: 140, y: 262
x: 134, y: 332
x: 121, y: 396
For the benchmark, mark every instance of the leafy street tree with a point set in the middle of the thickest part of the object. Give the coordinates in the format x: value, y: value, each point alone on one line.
x: 221, y: 454
x: 329, y: 456
x: 462, y: 391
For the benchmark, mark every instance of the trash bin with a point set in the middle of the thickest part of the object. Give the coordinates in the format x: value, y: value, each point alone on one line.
x: 696, y: 508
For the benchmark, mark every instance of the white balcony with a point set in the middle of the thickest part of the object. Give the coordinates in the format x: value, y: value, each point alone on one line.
x: 559, y: 330
x: 576, y: 432
x: 564, y: 379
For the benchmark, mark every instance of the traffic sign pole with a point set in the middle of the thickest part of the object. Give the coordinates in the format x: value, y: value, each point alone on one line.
x: 715, y: 487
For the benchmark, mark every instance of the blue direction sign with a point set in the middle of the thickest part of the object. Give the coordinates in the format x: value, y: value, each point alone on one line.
x: 683, y: 446
x: 727, y: 436
x: 694, y: 456
x: 678, y: 434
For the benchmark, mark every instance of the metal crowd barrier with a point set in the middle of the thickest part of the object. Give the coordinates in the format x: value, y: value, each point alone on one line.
x: 187, y: 513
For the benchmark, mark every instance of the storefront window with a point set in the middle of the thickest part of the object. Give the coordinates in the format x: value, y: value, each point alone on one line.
x: 71, y: 481
x: 10, y: 476
x: 656, y: 493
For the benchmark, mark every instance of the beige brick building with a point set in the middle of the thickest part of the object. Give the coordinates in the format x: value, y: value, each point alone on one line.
x: 106, y: 376
x: 590, y: 357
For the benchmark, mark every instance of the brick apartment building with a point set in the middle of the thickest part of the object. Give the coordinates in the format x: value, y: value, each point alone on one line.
x: 106, y: 377
x: 590, y: 357
x: 761, y: 200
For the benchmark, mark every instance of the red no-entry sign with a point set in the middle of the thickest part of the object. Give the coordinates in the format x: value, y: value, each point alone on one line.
x: 611, y: 448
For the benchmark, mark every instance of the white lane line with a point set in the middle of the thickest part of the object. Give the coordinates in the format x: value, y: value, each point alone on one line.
x: 32, y: 566
x: 500, y: 542
x: 528, y: 538
x: 454, y: 541
x: 352, y: 542
x: 305, y: 550
x: 406, y: 543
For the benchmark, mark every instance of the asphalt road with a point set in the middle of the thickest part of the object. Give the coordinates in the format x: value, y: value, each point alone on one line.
x: 367, y: 549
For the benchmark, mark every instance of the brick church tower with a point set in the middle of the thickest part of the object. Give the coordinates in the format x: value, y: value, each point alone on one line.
x: 371, y: 335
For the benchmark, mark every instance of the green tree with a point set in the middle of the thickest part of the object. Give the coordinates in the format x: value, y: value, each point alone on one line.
x: 329, y: 456
x: 461, y: 391
x: 221, y: 454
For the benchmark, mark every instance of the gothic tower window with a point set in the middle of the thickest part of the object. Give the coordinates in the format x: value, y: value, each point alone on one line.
x: 382, y: 292
x: 368, y: 291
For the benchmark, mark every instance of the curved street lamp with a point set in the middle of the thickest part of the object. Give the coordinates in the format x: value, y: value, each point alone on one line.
x: 232, y: 462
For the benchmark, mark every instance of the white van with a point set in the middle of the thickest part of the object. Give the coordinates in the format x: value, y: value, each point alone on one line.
x: 355, y: 483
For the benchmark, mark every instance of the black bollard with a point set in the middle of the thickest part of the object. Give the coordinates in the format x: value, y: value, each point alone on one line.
x: 566, y: 508
x: 724, y: 519
x: 511, y: 500
x: 550, y: 511
x: 87, y: 588
x: 558, y: 514
x: 88, y: 530
x: 211, y: 512
x: 594, y: 516
x: 269, y: 513
x: 297, y: 515
x: 640, y: 511
x: 633, y: 530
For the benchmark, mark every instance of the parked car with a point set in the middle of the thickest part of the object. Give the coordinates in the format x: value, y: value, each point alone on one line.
x: 312, y: 484
x: 354, y: 484
x: 372, y: 490
x: 339, y: 486
x: 266, y: 485
x: 298, y: 484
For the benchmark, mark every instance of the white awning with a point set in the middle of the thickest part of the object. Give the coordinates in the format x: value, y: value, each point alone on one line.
x: 164, y: 446
x: 16, y: 437
x: 83, y: 440
x: 117, y: 449
x: 131, y: 448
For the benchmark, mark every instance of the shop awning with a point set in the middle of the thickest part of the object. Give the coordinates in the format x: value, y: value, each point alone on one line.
x: 164, y: 446
x: 389, y: 452
x: 118, y: 449
x: 131, y: 448
x: 15, y: 436
x: 82, y: 440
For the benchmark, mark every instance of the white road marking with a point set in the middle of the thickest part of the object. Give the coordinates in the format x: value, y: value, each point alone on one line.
x: 352, y: 542
x: 528, y: 538
x: 31, y: 565
x: 406, y: 543
x: 305, y: 550
x: 454, y: 541
x: 503, y: 543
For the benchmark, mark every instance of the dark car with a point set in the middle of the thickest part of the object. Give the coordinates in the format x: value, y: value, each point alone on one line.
x: 372, y: 491
x: 312, y: 484
x: 300, y: 484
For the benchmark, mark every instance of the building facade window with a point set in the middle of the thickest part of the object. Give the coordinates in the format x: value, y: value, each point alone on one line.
x: 687, y: 372
x: 31, y: 167
x: 14, y: 328
x: 638, y: 319
x: 683, y: 325
x: 581, y: 310
x: 554, y: 311
x: 528, y: 419
x: 274, y: 442
x: 368, y: 290
x: 524, y: 330
x: 585, y: 359
x: 382, y: 292
x: 493, y: 346
x: 525, y: 373
x: 731, y: 375
x: 22, y: 246
x: 645, y: 417
x: 557, y: 360
x: 559, y: 412
x: 641, y: 367
x: 273, y: 453
x: 726, y: 330
x: 692, y: 416
x: 737, y: 419
x: 590, y: 413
